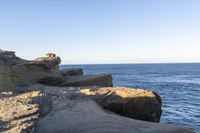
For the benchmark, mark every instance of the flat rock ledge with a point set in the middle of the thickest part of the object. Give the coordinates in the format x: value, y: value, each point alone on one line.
x: 104, y: 80
x: 47, y: 109
x: 72, y: 72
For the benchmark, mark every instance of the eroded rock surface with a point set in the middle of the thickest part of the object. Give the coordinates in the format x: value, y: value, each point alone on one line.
x: 40, y: 108
x: 15, y: 71
x: 130, y: 102
x: 74, y: 111
x: 51, y: 60
x: 104, y: 80
x: 8, y: 58
x: 72, y: 72
x: 18, y: 111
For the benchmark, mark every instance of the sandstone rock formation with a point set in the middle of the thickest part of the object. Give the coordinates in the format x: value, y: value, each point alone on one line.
x: 18, y: 111
x: 37, y: 108
x: 104, y: 80
x: 73, y: 110
x: 133, y: 103
x: 15, y: 71
x: 51, y: 60
x: 7, y: 60
x: 72, y: 72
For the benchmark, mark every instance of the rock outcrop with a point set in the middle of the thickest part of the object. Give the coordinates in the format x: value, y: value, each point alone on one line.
x: 72, y: 72
x: 73, y: 110
x: 104, y: 80
x: 130, y: 102
x: 51, y: 60
x: 15, y: 71
x: 8, y: 60
x: 37, y: 108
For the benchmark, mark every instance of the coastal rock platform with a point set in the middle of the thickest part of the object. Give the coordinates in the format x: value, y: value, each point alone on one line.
x: 82, y: 110
x: 37, y: 97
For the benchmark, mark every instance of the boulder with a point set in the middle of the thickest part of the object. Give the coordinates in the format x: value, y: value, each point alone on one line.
x: 15, y: 71
x: 72, y: 72
x: 104, y: 80
x: 134, y: 103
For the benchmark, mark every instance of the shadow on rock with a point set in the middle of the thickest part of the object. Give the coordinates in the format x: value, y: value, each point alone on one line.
x: 19, y: 110
x: 133, y: 103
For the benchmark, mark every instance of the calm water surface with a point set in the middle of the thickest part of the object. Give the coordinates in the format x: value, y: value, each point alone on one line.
x: 178, y: 85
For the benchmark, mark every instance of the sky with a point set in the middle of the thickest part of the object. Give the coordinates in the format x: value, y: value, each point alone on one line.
x: 102, y: 31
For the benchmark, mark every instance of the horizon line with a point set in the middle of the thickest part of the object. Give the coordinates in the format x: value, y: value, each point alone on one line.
x: 132, y: 63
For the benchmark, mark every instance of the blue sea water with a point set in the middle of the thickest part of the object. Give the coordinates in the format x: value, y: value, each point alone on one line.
x: 177, y: 84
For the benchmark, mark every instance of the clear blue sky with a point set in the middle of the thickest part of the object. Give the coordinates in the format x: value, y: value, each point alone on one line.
x: 102, y: 31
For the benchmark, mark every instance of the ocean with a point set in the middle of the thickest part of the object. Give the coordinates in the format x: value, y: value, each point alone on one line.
x: 177, y: 84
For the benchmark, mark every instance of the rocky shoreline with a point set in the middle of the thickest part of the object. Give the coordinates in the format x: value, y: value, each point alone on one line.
x: 37, y: 97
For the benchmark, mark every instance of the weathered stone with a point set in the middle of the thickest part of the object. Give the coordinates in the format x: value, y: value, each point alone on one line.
x: 18, y: 111
x: 51, y: 60
x: 72, y: 72
x: 8, y: 58
x: 15, y: 71
x: 72, y: 110
x: 130, y: 102
x: 104, y: 80
x: 74, y: 113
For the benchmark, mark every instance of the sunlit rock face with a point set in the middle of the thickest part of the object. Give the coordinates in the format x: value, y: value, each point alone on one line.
x: 130, y: 102
x: 79, y: 110
x: 18, y: 111
x: 49, y: 61
x: 15, y: 71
